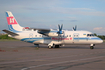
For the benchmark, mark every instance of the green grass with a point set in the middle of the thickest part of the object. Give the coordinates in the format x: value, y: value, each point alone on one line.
x: 9, y: 40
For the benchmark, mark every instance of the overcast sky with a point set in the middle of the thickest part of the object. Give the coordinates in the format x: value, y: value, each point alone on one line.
x: 86, y: 14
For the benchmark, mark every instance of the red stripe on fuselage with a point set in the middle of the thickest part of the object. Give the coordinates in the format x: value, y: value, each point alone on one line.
x: 53, y: 38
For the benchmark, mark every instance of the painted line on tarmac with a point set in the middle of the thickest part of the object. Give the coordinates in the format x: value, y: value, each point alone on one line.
x: 61, y: 62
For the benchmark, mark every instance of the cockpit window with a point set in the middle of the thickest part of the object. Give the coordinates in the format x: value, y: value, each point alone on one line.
x: 92, y: 34
x: 89, y: 35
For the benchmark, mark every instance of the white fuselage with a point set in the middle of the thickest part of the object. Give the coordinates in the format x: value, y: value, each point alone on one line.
x: 67, y: 38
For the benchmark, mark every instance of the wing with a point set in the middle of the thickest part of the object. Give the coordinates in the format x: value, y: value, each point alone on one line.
x: 47, y: 32
x: 41, y: 31
x: 9, y: 32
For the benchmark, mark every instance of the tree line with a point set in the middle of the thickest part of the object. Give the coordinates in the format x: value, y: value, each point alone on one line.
x: 100, y: 36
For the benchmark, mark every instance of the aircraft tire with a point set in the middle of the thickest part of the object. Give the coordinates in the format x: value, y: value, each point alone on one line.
x: 56, y: 46
x: 91, y: 47
x: 49, y: 46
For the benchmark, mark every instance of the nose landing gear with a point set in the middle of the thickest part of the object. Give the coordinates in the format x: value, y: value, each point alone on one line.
x: 92, y: 46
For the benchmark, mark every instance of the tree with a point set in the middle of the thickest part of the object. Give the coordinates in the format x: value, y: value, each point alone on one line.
x: 95, y: 34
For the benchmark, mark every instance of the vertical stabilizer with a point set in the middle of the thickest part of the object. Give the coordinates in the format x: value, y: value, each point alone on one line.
x: 12, y: 23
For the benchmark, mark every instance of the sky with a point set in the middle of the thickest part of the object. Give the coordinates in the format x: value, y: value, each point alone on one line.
x: 86, y: 14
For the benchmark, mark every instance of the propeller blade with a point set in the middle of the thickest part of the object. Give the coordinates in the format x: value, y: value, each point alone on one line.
x: 60, y: 29
x: 75, y: 28
x: 60, y: 32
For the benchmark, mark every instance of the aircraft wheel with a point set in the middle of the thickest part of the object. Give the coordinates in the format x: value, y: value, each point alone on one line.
x: 56, y: 46
x: 49, y: 46
x: 36, y: 45
x: 91, y: 47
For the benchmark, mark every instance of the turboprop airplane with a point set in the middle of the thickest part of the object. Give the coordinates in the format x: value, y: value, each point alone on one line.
x: 50, y: 37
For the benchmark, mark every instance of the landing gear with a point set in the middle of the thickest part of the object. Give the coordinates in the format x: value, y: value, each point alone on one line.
x: 50, y: 47
x: 36, y: 45
x: 92, y: 46
x: 56, y: 46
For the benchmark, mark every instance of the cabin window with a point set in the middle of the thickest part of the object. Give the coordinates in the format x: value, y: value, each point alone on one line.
x: 75, y: 35
x: 39, y: 35
x: 35, y: 35
x: 69, y: 35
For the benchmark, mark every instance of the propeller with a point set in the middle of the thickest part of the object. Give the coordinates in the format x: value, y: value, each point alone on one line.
x: 75, y: 28
x: 60, y: 31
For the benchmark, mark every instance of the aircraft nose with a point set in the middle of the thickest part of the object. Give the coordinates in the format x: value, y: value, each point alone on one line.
x: 100, y: 41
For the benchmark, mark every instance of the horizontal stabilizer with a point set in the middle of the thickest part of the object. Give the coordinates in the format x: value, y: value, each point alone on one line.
x: 10, y: 33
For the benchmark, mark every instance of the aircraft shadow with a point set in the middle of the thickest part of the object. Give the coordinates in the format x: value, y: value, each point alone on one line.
x: 67, y: 47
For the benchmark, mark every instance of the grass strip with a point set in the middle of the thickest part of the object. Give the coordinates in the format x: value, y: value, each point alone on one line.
x: 9, y: 40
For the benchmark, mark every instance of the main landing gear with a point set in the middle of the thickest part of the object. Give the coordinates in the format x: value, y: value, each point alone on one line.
x: 36, y: 45
x: 92, y: 46
x: 50, y: 46
x: 56, y: 46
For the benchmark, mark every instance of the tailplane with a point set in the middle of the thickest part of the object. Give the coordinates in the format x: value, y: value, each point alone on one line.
x: 12, y: 23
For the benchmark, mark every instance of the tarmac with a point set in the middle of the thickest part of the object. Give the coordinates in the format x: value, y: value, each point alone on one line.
x: 17, y: 55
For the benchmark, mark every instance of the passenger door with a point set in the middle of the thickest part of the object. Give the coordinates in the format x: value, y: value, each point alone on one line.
x: 76, y: 37
x: 31, y: 36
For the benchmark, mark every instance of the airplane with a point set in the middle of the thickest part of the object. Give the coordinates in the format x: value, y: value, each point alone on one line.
x: 52, y: 38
